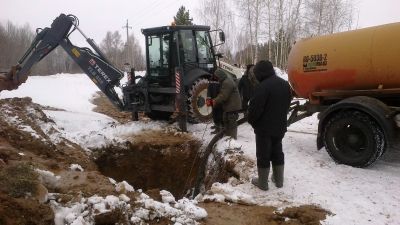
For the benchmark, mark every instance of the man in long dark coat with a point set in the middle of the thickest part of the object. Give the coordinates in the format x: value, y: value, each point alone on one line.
x: 267, y: 114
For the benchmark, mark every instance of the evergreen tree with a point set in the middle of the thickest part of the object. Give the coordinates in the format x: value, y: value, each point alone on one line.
x: 183, y: 17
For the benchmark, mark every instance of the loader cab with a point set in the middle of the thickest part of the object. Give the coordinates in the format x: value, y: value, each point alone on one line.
x: 168, y: 47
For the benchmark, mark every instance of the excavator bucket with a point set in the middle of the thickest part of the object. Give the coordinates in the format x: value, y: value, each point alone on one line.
x: 8, y: 80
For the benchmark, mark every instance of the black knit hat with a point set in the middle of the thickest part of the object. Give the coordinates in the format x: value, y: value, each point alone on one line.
x: 263, y: 69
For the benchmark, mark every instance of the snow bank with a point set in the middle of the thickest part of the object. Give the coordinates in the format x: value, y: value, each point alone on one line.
x: 65, y: 91
x: 78, y: 123
x: 281, y: 73
x: 83, y: 212
x: 227, y: 193
x: 184, y: 211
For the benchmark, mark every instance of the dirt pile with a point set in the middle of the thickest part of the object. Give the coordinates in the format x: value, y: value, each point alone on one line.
x: 28, y: 135
x: 219, y: 214
x: 17, y: 211
x: 104, y: 106
x: 29, y: 139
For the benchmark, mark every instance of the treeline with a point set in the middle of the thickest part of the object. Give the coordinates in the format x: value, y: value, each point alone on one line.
x: 120, y: 52
x: 15, y: 40
x: 267, y: 29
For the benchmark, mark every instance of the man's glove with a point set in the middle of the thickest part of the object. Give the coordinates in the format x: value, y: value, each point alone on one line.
x: 209, y: 102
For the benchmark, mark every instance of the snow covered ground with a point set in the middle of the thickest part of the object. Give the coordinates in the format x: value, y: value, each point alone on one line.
x: 353, y: 195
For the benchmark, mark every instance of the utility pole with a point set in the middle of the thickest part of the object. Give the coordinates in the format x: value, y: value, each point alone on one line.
x: 127, y: 27
x: 127, y: 30
x: 128, y: 68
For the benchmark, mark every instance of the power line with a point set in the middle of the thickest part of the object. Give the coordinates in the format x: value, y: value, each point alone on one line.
x: 157, y: 9
x: 145, y: 10
x: 155, y: 5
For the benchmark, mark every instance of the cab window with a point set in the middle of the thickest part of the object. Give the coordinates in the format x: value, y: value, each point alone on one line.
x: 158, y: 47
x: 188, y: 45
x: 203, y: 46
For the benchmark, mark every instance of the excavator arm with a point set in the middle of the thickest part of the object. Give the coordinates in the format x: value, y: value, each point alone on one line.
x: 94, y: 64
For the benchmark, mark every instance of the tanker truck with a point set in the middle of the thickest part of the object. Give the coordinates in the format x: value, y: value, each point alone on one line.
x: 352, y: 79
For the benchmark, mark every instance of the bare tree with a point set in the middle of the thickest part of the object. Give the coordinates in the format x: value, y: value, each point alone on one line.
x: 3, y: 44
x: 218, y: 15
x: 290, y: 27
x: 112, y: 46
x: 257, y: 9
x: 327, y: 16
x: 249, y: 22
x: 134, y: 54
x: 16, y: 40
x: 252, y: 15
x: 339, y: 14
x: 269, y: 20
x: 280, y: 32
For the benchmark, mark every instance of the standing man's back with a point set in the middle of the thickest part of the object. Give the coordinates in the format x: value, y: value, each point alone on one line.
x: 267, y: 114
x: 269, y: 106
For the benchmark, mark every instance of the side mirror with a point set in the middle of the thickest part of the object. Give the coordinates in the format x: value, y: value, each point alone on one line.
x: 221, y: 36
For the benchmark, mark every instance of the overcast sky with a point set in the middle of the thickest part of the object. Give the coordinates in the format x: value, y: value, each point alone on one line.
x: 377, y: 12
x: 99, y: 16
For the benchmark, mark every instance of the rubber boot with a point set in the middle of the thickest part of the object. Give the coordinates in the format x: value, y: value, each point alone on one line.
x: 262, y: 180
x: 277, y: 175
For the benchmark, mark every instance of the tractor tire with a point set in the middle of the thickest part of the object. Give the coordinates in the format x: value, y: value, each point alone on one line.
x: 198, y: 110
x: 354, y: 138
x: 159, y: 115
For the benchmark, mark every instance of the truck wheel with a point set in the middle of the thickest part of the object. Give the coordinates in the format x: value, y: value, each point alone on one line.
x: 159, y: 115
x: 198, y: 110
x: 354, y: 138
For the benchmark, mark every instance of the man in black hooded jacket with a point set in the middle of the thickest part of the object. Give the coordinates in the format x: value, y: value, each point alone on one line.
x: 267, y: 114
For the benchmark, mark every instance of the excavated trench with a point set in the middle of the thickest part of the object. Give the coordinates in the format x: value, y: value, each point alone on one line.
x: 159, y: 160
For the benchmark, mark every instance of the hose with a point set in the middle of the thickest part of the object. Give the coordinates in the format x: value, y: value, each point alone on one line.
x: 209, y: 149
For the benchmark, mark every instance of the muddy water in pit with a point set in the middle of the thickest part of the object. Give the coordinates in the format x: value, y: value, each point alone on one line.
x: 156, y: 160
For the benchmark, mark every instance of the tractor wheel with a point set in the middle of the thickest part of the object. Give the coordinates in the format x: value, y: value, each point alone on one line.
x: 198, y: 110
x: 354, y: 138
x: 159, y: 115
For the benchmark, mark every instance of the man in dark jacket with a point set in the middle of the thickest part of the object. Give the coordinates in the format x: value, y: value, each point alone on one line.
x: 229, y: 98
x: 268, y: 116
x: 246, y: 88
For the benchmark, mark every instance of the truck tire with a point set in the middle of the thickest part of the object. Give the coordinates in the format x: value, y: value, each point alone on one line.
x: 198, y: 110
x: 159, y: 115
x: 354, y: 138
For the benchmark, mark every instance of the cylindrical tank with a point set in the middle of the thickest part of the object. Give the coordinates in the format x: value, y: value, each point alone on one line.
x: 354, y: 60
